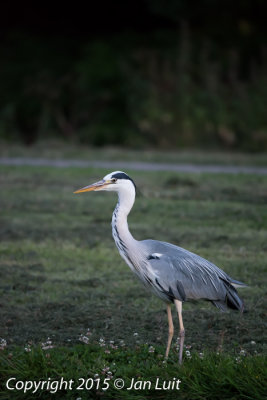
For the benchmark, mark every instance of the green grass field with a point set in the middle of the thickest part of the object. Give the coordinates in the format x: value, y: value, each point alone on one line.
x: 57, y: 149
x: 61, y: 275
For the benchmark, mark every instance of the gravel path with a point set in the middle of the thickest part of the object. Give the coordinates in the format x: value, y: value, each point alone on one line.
x: 141, y: 166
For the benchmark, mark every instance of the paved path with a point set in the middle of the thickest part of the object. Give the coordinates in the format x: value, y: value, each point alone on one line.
x: 132, y: 165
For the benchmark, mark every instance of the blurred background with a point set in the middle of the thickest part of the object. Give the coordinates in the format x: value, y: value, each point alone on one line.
x: 140, y: 74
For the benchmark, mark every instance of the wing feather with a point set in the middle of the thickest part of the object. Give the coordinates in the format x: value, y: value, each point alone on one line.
x: 178, y: 273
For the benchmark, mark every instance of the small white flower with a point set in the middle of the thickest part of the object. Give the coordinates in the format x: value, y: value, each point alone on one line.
x: 242, y: 352
x: 252, y: 342
x: 151, y: 349
x: 84, y: 339
x: 47, y: 345
x: 135, y: 334
x: 188, y: 354
x: 3, y: 344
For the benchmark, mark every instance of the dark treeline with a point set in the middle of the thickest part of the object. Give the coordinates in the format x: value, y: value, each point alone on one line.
x: 151, y: 73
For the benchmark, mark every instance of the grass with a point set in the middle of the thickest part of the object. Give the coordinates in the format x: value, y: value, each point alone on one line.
x: 61, y: 274
x: 216, y: 376
x: 58, y: 149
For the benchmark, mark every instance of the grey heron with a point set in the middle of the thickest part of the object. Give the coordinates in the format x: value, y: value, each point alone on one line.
x: 171, y: 272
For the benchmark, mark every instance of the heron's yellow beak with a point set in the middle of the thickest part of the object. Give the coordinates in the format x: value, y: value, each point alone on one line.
x: 94, y: 186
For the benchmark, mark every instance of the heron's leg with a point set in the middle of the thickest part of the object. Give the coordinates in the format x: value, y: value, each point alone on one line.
x: 171, y: 330
x: 178, y: 305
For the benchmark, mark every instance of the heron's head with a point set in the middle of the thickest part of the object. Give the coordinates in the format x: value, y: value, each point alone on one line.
x: 116, y: 181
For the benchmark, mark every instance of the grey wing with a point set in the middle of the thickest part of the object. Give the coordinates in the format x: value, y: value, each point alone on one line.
x: 183, y: 275
x: 181, y: 279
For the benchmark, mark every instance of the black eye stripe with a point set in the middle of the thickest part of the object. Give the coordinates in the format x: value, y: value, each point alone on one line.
x: 122, y: 175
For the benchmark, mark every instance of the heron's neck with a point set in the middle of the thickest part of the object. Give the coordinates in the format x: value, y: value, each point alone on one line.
x: 120, y: 230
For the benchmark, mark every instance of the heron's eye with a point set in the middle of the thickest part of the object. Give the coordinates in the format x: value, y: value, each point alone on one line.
x: 113, y: 180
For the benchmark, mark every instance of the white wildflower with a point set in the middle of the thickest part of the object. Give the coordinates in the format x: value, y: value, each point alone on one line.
x: 188, y: 354
x: 3, y: 344
x: 47, y: 345
x: 84, y: 339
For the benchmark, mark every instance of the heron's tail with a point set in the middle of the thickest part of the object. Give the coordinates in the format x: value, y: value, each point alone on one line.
x: 237, y: 284
x: 232, y: 300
